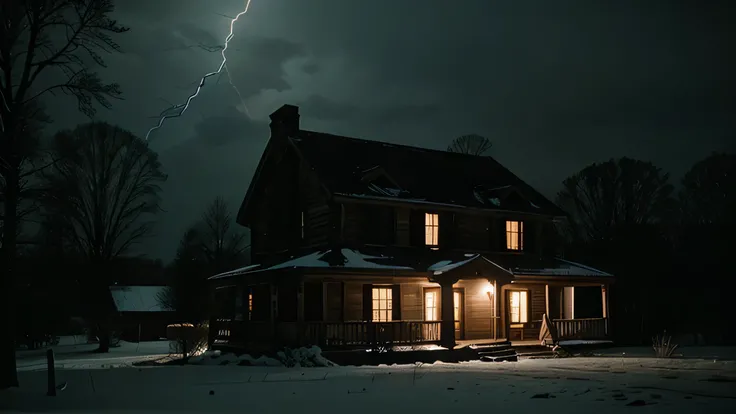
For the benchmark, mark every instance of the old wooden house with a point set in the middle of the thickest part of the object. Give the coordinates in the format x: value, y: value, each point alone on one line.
x: 359, y: 242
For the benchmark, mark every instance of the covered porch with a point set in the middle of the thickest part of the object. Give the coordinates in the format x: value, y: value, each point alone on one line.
x: 372, y: 305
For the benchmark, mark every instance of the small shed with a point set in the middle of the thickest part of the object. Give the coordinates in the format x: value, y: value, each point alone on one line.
x: 142, y: 313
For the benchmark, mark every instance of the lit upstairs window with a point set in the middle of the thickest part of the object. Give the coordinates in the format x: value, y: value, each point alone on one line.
x: 515, y: 235
x: 431, y: 229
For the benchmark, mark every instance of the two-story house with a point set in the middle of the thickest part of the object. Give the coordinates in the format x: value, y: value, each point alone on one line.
x: 359, y: 242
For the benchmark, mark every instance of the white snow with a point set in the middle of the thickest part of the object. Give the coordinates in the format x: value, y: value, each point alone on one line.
x: 81, y: 355
x: 237, y: 271
x: 567, y: 268
x: 358, y: 260
x: 138, y: 298
x: 354, y: 260
x: 446, y: 265
x: 386, y: 191
x: 297, y: 358
x: 310, y: 260
x: 569, y: 385
x: 583, y: 342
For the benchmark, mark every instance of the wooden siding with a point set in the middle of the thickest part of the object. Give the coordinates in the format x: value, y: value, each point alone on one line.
x: 333, y: 301
x: 478, y: 232
x: 471, y: 231
x: 320, y: 218
x: 290, y: 189
x: 353, y: 301
x: 403, y: 237
x: 477, y: 309
x: 412, y: 301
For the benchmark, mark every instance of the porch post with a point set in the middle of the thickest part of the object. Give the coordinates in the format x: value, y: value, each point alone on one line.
x: 496, y: 309
x: 447, y: 325
x: 546, y: 300
x: 300, y: 311
x: 274, y: 307
x: 606, y: 313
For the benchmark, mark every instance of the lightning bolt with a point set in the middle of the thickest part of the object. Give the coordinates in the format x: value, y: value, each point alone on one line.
x: 184, y: 106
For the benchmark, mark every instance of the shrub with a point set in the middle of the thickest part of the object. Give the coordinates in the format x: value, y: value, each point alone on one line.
x: 663, y: 346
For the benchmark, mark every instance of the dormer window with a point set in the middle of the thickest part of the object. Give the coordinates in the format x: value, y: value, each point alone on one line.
x: 431, y: 229
x: 514, y: 235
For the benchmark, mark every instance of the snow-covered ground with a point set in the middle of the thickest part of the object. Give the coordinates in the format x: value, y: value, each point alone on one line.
x: 75, y: 353
x: 571, y: 385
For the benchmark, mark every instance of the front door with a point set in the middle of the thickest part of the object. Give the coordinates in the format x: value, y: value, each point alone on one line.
x: 517, y: 316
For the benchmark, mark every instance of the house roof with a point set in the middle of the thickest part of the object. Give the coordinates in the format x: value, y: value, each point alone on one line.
x: 139, y: 298
x: 398, y: 260
x: 364, y: 169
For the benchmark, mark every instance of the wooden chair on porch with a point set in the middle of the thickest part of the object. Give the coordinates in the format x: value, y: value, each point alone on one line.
x: 548, y: 334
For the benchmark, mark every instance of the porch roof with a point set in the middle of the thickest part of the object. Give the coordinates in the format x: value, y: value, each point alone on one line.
x: 419, y: 261
x: 552, y: 267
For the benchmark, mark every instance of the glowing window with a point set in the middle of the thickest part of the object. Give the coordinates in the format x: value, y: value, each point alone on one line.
x: 518, y: 307
x: 457, y: 301
x: 431, y: 229
x: 382, y: 304
x: 431, y: 305
x: 515, y: 235
x: 250, y: 305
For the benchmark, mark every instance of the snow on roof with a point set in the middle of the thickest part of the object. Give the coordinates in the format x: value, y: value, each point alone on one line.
x: 407, y: 200
x: 239, y: 270
x: 138, y: 298
x: 562, y: 268
x: 352, y: 259
x: 447, y: 265
x: 358, y: 260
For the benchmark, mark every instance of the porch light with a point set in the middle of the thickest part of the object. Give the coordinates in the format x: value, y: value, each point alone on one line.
x: 487, y: 289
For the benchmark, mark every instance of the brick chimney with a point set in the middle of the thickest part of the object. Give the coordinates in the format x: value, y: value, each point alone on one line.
x: 285, y: 121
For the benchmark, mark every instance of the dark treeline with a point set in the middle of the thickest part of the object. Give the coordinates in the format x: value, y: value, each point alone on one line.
x: 667, y: 243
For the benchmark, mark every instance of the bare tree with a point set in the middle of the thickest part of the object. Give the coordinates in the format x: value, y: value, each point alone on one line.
x: 208, y: 247
x: 708, y: 193
x: 105, y: 188
x: 221, y: 245
x: 470, y: 144
x: 49, y: 40
x: 603, y: 197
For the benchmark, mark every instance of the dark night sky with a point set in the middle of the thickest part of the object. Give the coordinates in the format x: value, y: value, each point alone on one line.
x: 556, y: 85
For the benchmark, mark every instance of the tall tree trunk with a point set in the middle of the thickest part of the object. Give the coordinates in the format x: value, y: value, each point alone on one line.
x: 8, y: 373
x: 101, y: 300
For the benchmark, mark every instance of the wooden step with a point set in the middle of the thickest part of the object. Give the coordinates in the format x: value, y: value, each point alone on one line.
x: 536, y: 353
x: 509, y: 358
x: 498, y: 353
x: 491, y: 346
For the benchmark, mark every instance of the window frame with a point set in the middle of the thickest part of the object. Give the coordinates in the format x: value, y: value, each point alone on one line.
x: 389, y: 302
x: 528, y: 306
x: 434, y: 234
x: 436, y: 308
x: 519, y: 234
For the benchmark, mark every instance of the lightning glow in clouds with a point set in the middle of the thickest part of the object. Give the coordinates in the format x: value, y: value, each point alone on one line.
x: 178, y: 110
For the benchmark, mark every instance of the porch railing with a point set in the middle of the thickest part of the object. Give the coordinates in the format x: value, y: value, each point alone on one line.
x: 364, y: 333
x: 230, y: 331
x: 590, y: 328
x: 327, y: 334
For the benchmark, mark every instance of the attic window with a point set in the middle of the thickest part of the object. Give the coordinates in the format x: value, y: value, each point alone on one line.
x: 431, y: 229
x: 515, y: 235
